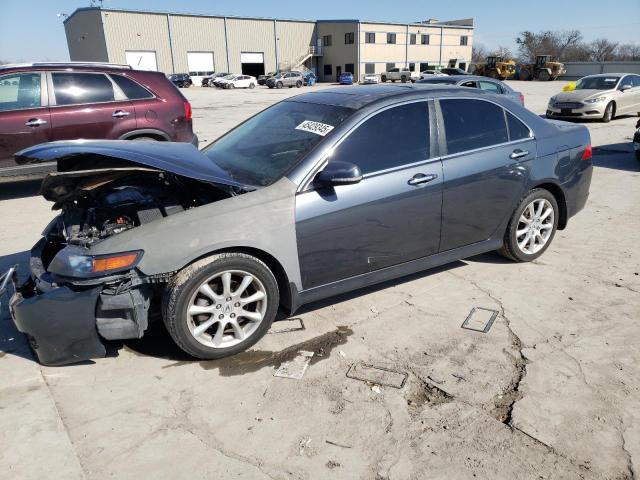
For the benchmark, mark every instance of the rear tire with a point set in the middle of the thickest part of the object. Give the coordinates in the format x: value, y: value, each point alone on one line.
x: 526, y: 223
x: 298, y: 84
x: 383, y: 78
x: 279, y: 85
x: 608, y: 113
x: 252, y: 86
x: 194, y: 288
x: 544, y: 76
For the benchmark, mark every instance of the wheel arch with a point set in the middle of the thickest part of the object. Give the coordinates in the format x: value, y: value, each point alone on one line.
x: 561, y: 199
x: 146, y: 132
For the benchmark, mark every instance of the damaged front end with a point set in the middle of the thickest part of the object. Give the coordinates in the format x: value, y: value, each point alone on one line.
x: 74, y: 299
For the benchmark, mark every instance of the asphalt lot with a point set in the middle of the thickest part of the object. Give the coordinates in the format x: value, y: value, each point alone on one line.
x: 551, y: 391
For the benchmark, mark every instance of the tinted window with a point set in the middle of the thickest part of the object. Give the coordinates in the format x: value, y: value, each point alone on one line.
x: 73, y: 88
x: 19, y: 90
x: 412, y: 39
x: 394, y: 137
x: 424, y: 39
x: 490, y: 87
x: 369, y: 68
x: 264, y: 148
x: 471, y: 124
x: 636, y: 80
x: 517, y: 129
x: 131, y: 89
x: 370, y: 37
x: 391, y: 38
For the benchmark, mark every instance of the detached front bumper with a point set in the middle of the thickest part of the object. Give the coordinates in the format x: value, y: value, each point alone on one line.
x: 582, y: 110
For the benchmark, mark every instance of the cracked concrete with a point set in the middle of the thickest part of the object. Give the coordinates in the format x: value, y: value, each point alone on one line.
x: 550, y: 392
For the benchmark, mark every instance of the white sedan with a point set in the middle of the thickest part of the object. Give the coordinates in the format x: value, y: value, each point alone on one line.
x: 431, y: 74
x: 371, y: 78
x: 241, y: 81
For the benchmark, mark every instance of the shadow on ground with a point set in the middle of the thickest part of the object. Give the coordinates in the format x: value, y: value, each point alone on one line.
x: 13, y: 190
x: 617, y: 156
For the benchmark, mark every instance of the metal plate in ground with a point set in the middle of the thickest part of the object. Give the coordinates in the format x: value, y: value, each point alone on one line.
x: 377, y: 375
x: 286, y: 326
x: 480, y: 319
x: 295, y: 368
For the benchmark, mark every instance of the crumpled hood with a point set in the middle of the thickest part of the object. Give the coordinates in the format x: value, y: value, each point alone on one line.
x: 81, y: 155
x: 579, y: 95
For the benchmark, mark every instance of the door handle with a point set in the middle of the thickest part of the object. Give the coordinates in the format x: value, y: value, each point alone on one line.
x: 420, y: 178
x: 35, y: 122
x: 518, y: 154
x: 120, y: 113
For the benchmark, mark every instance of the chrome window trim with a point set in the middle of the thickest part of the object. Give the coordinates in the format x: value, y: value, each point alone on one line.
x: 52, y: 94
x: 324, y: 157
x: 44, y: 97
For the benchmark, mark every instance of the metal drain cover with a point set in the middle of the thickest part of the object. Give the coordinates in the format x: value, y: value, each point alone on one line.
x: 480, y: 319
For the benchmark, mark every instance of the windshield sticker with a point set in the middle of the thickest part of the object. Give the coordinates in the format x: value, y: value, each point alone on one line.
x: 315, y: 127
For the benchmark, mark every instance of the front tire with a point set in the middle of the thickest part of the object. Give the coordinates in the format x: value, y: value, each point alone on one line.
x: 279, y: 85
x: 298, y: 84
x: 220, y: 305
x: 608, y: 113
x: 532, y: 226
x: 383, y: 78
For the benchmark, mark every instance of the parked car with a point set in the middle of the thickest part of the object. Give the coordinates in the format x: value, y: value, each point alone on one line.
x: 262, y: 79
x: 42, y: 102
x: 600, y: 96
x: 286, y: 79
x: 636, y: 141
x: 400, y: 74
x: 483, y: 83
x: 317, y: 195
x: 220, y: 81
x: 181, y: 80
x: 346, y: 78
x: 454, y: 71
x: 216, y: 76
x: 241, y: 81
x: 431, y: 73
x: 370, y: 78
x: 198, y: 77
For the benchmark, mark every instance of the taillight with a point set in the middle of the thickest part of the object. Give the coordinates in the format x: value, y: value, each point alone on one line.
x: 588, y: 153
x: 187, y: 111
x: 522, y: 99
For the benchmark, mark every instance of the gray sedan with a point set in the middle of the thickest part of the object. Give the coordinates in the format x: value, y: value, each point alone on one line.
x: 474, y: 81
x: 598, y: 96
x: 320, y: 194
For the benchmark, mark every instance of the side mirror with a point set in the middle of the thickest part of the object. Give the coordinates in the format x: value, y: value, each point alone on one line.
x: 625, y: 87
x: 339, y: 173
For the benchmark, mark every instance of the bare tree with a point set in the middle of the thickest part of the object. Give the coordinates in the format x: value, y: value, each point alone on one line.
x: 549, y: 42
x: 602, y: 50
x: 628, y: 52
x: 504, y: 52
x: 478, y: 53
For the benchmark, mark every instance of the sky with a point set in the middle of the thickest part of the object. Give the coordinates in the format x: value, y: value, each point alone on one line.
x: 32, y: 31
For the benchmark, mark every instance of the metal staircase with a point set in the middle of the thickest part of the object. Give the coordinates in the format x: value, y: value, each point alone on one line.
x: 299, y: 63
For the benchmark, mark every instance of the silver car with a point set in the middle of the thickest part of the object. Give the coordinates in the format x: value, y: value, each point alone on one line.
x: 475, y: 81
x: 598, y: 96
x: 286, y: 79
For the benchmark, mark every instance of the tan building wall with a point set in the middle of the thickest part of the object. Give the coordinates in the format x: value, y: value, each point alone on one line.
x: 294, y: 38
x: 198, y: 34
x: 338, y: 54
x: 85, y: 37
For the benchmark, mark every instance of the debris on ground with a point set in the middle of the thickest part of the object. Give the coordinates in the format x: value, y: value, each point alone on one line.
x: 480, y: 319
x: 337, y: 444
x: 376, y: 389
x: 331, y: 464
x: 296, y: 367
x: 377, y: 375
x: 288, y: 325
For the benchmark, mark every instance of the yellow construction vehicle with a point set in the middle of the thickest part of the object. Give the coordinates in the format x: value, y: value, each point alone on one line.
x: 496, y: 67
x: 544, y: 69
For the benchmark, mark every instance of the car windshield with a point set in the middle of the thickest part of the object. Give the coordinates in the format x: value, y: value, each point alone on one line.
x: 597, y: 83
x: 280, y: 75
x: 264, y: 148
x: 229, y: 77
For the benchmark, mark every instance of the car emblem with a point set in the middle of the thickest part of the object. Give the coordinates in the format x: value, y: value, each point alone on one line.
x: 227, y: 309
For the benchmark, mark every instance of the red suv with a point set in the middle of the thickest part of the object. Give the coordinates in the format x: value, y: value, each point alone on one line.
x: 43, y: 102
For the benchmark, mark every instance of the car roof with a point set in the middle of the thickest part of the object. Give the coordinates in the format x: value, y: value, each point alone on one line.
x: 613, y: 74
x: 366, y: 95
x: 68, y: 66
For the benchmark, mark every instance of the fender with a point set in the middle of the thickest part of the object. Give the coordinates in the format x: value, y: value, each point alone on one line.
x: 145, y: 131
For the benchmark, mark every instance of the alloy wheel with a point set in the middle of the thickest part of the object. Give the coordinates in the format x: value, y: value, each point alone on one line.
x: 535, y: 226
x: 226, y: 309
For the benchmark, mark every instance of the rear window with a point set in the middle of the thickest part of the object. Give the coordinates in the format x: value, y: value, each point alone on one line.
x: 470, y: 124
x: 265, y: 147
x: 75, y: 88
x: 517, y: 129
x: 131, y: 89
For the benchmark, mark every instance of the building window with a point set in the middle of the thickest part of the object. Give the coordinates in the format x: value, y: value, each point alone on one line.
x: 412, y: 39
x: 348, y: 38
x: 328, y: 70
x: 412, y: 66
x: 424, y: 39
x: 326, y: 40
x: 391, y: 38
x: 464, y: 40
x: 370, y: 37
x: 349, y: 67
x: 390, y: 66
x: 369, y: 68
x: 424, y: 67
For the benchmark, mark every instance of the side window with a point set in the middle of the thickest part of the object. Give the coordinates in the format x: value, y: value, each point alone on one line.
x: 490, y: 87
x: 636, y: 80
x: 74, y: 88
x: 471, y: 124
x: 392, y: 138
x: 626, y: 81
x: 517, y: 129
x: 471, y: 84
x: 131, y: 89
x: 19, y: 91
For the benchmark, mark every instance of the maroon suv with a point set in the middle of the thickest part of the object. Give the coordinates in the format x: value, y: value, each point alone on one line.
x: 43, y: 102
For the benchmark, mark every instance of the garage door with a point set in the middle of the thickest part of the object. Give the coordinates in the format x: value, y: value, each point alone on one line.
x: 142, y: 60
x: 200, y: 61
x: 252, y: 63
